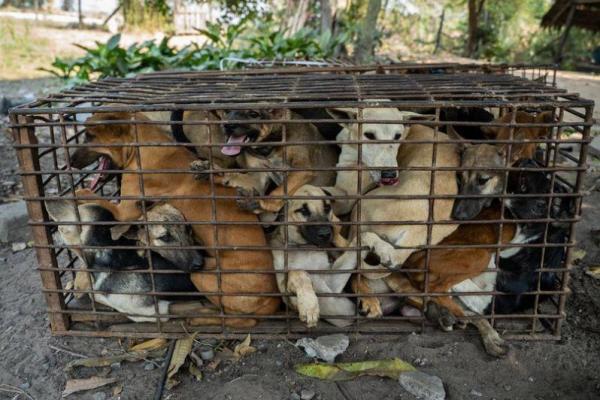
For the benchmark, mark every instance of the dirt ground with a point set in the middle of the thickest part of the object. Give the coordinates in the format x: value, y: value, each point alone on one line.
x: 33, y: 360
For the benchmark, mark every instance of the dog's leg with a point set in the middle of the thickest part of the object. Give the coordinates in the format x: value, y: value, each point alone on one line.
x: 493, y: 343
x: 300, y: 284
x: 333, y: 305
x: 250, y: 181
x: 369, y: 305
x: 294, y: 182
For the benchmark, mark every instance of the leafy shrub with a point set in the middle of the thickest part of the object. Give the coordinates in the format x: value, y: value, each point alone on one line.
x: 225, y: 45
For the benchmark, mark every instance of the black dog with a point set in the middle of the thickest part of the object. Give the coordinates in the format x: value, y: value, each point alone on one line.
x: 124, y: 290
x: 519, y: 266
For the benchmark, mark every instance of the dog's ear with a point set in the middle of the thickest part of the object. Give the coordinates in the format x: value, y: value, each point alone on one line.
x: 61, y: 210
x: 127, y: 231
x: 219, y: 114
x: 343, y: 113
x: 116, y: 129
x: 277, y: 113
x: 413, y: 116
x: 545, y: 117
x: 452, y: 134
x: 328, y: 193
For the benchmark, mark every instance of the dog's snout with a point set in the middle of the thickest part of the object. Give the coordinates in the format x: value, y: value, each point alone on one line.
x: 319, y: 235
x: 389, y: 174
x: 229, y: 128
x: 324, y: 232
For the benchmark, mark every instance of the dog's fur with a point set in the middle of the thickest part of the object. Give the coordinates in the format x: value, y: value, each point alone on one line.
x: 176, y: 185
x: 309, y: 238
x: 519, y: 265
x: 484, y: 161
x: 393, y: 244
x: 123, y: 290
x: 377, y: 155
x: 452, y: 270
x: 271, y: 156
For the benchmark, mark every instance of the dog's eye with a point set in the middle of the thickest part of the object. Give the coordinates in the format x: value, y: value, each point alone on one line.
x: 482, y: 180
x: 397, y: 136
x: 327, y: 208
x: 253, y: 114
x: 304, y: 211
x: 370, y: 135
x: 167, y: 237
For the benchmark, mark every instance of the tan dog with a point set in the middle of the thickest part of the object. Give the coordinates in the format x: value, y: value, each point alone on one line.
x: 484, y: 161
x: 175, y: 186
x: 271, y: 156
x: 392, y: 244
x: 380, y: 155
x: 309, y: 238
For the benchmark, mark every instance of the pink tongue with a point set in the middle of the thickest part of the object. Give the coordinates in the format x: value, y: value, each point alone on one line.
x: 233, y: 150
x: 103, y: 164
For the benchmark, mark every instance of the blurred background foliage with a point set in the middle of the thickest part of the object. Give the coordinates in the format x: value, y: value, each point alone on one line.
x: 399, y: 30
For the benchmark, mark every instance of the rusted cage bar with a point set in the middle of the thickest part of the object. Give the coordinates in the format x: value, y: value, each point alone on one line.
x: 375, y: 203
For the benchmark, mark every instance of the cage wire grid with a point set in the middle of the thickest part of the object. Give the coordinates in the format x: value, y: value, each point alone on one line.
x: 48, y: 130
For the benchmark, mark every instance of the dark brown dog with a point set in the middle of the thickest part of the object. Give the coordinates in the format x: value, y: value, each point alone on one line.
x: 177, y: 185
x: 272, y: 156
x: 447, y: 269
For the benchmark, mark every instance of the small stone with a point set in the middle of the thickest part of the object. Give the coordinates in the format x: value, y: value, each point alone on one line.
x: 18, y: 246
x: 278, y: 363
x: 507, y: 388
x: 325, y: 348
x: 99, y: 396
x: 422, y: 385
x: 295, y: 396
x: 420, y: 362
x: 530, y: 379
x: 13, y: 222
x: 307, y: 394
x: 24, y: 385
x: 476, y: 393
x: 207, y: 354
x: 115, y: 365
x: 149, y: 366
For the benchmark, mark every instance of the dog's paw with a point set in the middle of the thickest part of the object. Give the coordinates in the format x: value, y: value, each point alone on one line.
x: 84, y: 193
x: 371, y: 307
x: 308, y: 309
x: 200, y: 167
x: 441, y: 316
x: 495, y: 345
x: 247, y: 199
x: 380, y: 252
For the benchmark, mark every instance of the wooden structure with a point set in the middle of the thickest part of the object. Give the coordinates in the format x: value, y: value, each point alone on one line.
x: 568, y: 13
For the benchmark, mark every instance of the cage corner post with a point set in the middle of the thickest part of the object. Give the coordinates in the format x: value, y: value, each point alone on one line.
x: 27, y: 156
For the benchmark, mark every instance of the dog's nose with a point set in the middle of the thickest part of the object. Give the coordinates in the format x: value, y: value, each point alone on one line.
x: 324, y: 233
x: 229, y: 128
x: 389, y: 174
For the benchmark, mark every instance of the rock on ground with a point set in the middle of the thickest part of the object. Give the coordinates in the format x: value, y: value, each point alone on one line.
x: 13, y: 222
x: 325, y: 348
x: 422, y: 385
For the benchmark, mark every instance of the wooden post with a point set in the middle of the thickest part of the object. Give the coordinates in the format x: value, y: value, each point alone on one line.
x: 79, y: 14
x: 563, y: 40
x: 32, y: 187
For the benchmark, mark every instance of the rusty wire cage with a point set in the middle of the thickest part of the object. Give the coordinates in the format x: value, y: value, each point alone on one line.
x: 50, y: 131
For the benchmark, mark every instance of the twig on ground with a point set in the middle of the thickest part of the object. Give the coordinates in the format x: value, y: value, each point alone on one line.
x: 13, y: 389
x: 67, y: 351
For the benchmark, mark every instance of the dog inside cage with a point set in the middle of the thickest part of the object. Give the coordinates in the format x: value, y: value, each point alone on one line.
x: 306, y: 202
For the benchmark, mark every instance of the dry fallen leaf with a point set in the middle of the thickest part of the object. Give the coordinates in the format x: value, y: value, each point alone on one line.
x: 107, y: 361
x: 593, y: 271
x: 79, y: 385
x: 346, y: 371
x: 577, y: 254
x: 244, y: 348
x: 150, y: 345
x: 117, y: 390
x: 195, y: 371
x: 183, y: 347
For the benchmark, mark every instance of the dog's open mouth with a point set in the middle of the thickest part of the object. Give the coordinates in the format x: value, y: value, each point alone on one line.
x: 233, y: 148
x: 388, y: 181
x: 100, y: 177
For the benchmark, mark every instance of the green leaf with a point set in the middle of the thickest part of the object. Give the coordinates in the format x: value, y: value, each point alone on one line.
x: 345, y: 371
x: 113, y: 42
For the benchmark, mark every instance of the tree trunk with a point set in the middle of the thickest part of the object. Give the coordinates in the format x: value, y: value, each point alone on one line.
x: 472, y: 28
x: 326, y: 16
x: 365, y: 44
x: 438, y: 38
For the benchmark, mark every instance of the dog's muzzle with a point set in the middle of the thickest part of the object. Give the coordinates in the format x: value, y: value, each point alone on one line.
x: 389, y: 177
x: 319, y: 235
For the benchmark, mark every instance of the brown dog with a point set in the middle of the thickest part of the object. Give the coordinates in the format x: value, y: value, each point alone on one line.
x: 452, y: 270
x: 484, y: 160
x: 269, y: 156
x: 177, y: 185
